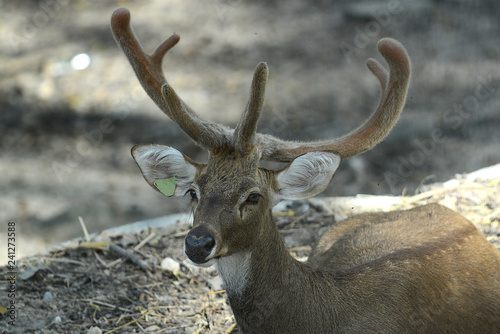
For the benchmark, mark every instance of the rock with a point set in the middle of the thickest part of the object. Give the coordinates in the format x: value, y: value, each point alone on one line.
x: 215, y: 283
x: 31, y: 272
x: 48, y: 296
x: 94, y: 330
x: 171, y: 265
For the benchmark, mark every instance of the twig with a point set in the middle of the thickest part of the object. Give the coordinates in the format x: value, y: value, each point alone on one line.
x: 145, y: 241
x: 113, y: 263
x: 440, y: 191
x: 308, y: 212
x: 95, y: 245
x: 128, y: 323
x: 152, y: 285
x: 288, y: 213
x: 100, y: 260
x: 494, y: 214
x: 93, y: 301
x: 132, y: 257
x: 84, y: 228
x: 179, y: 234
x: 230, y: 329
x: 51, y: 259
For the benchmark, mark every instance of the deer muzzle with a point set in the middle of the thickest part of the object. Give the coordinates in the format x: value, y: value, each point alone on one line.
x: 199, y: 244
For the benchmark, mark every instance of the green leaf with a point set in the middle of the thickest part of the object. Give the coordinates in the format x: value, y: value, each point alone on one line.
x: 166, y: 186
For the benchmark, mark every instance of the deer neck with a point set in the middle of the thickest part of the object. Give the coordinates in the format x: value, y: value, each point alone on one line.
x: 266, y: 278
x: 268, y: 256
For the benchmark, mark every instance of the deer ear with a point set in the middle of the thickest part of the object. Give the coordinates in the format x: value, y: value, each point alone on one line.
x: 158, y: 162
x: 307, y: 175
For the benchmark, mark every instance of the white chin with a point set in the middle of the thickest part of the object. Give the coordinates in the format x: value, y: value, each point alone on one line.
x: 207, y: 264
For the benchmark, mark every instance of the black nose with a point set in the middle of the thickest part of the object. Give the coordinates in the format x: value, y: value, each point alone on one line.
x: 199, y: 244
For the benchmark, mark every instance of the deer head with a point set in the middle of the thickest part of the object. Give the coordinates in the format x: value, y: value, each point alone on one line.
x: 232, y: 194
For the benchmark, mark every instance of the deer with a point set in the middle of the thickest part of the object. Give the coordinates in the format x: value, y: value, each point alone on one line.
x: 423, y: 270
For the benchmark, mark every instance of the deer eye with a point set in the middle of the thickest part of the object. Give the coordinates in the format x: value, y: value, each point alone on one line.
x: 192, y: 193
x: 253, y: 198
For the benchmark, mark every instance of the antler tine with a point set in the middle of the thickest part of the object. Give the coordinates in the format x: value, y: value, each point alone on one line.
x: 244, y: 133
x: 148, y: 69
x: 206, y: 134
x: 380, y: 72
x: 370, y: 133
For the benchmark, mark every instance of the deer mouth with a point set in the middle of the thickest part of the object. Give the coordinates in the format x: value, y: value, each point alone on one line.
x: 206, y: 264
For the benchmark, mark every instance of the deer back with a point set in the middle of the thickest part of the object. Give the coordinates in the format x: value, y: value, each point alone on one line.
x: 438, y: 271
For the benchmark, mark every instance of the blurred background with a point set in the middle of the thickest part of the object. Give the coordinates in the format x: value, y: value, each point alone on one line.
x: 71, y: 107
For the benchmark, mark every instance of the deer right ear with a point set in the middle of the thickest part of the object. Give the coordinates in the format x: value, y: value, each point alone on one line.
x: 158, y: 162
x: 307, y: 175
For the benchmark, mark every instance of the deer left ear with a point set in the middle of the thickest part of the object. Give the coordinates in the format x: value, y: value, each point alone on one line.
x: 158, y: 162
x: 307, y: 175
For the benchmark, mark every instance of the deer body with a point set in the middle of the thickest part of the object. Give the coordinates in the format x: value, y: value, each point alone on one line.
x: 424, y: 270
x: 412, y: 286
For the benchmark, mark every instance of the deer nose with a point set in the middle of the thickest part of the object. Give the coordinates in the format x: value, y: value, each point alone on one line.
x: 199, y: 244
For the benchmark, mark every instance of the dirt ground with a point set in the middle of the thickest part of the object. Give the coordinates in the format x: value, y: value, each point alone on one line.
x: 66, y: 133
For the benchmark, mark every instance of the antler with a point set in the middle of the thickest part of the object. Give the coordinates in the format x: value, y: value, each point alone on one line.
x: 245, y: 131
x: 148, y: 69
x: 211, y: 135
x: 374, y: 130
